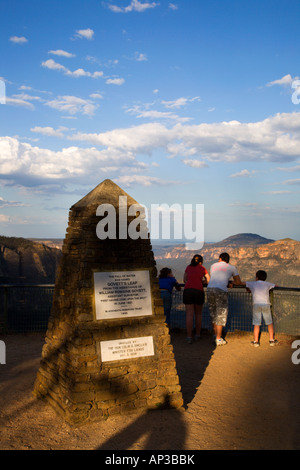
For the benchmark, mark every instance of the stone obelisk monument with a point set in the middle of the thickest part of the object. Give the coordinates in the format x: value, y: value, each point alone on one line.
x: 107, y: 348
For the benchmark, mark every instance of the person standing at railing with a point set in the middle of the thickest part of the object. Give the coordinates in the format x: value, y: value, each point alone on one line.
x: 193, y: 296
x: 217, y: 296
x: 260, y: 290
x: 166, y: 283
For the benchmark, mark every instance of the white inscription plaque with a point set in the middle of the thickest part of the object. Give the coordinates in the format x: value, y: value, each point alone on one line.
x: 129, y: 348
x: 122, y: 294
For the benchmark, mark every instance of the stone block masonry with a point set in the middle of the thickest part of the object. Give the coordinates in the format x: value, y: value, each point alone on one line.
x: 73, y: 377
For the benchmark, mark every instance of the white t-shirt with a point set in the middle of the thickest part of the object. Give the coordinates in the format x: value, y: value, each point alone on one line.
x: 260, y: 291
x: 220, y: 273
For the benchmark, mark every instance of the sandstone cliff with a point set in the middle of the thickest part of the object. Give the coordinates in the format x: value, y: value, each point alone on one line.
x: 24, y: 261
x: 280, y: 259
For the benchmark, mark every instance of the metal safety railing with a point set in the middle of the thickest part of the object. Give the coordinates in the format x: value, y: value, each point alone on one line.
x: 26, y: 308
x: 285, y: 306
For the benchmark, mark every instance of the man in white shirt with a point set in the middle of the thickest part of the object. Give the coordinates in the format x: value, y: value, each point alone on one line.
x: 220, y: 274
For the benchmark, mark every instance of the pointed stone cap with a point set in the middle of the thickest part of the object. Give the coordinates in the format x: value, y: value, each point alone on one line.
x: 106, y: 192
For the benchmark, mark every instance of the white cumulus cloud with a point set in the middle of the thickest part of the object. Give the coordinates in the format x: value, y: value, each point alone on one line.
x: 18, y: 39
x: 52, y: 65
x: 194, y: 163
x: 144, y: 180
x: 242, y: 173
x: 286, y: 80
x: 49, y: 131
x: 115, y: 81
x: 19, y: 102
x: 135, y: 5
x: 140, y: 57
x: 85, y: 33
x: 30, y: 165
x: 179, y: 102
x: 276, y: 139
x: 62, y: 53
x: 73, y: 105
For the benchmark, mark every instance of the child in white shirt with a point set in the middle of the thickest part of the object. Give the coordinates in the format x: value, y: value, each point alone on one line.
x: 261, y: 306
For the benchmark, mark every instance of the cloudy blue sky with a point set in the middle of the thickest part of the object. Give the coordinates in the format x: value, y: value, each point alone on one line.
x: 182, y: 102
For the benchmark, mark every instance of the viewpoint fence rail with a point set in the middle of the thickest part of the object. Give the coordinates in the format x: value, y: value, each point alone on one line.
x: 26, y: 308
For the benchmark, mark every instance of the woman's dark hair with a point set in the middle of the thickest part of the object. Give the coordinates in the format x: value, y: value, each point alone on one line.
x: 197, y: 259
x: 164, y: 272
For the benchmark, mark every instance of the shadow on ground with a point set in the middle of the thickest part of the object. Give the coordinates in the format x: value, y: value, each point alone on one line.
x: 191, y: 372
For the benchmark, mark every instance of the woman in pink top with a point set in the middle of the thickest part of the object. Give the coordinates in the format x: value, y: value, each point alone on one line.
x: 193, y: 295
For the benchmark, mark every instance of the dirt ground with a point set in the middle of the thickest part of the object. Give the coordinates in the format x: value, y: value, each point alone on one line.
x: 236, y: 397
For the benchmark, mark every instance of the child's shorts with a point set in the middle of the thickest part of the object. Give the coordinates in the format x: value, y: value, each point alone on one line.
x: 262, y: 311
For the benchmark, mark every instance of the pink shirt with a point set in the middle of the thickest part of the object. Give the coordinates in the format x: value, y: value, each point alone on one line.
x: 194, y: 277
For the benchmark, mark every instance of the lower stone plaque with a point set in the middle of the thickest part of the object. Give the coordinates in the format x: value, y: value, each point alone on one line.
x: 128, y: 348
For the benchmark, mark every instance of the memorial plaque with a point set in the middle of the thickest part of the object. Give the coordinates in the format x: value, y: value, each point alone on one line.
x: 122, y: 294
x: 129, y: 348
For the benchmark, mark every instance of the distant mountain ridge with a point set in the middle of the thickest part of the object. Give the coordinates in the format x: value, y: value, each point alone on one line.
x: 249, y: 252
x: 35, y: 261
x: 232, y: 242
x: 242, y: 239
x: 51, y: 242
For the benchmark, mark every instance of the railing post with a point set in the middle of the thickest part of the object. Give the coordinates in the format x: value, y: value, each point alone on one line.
x: 272, y: 305
x: 4, y: 319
